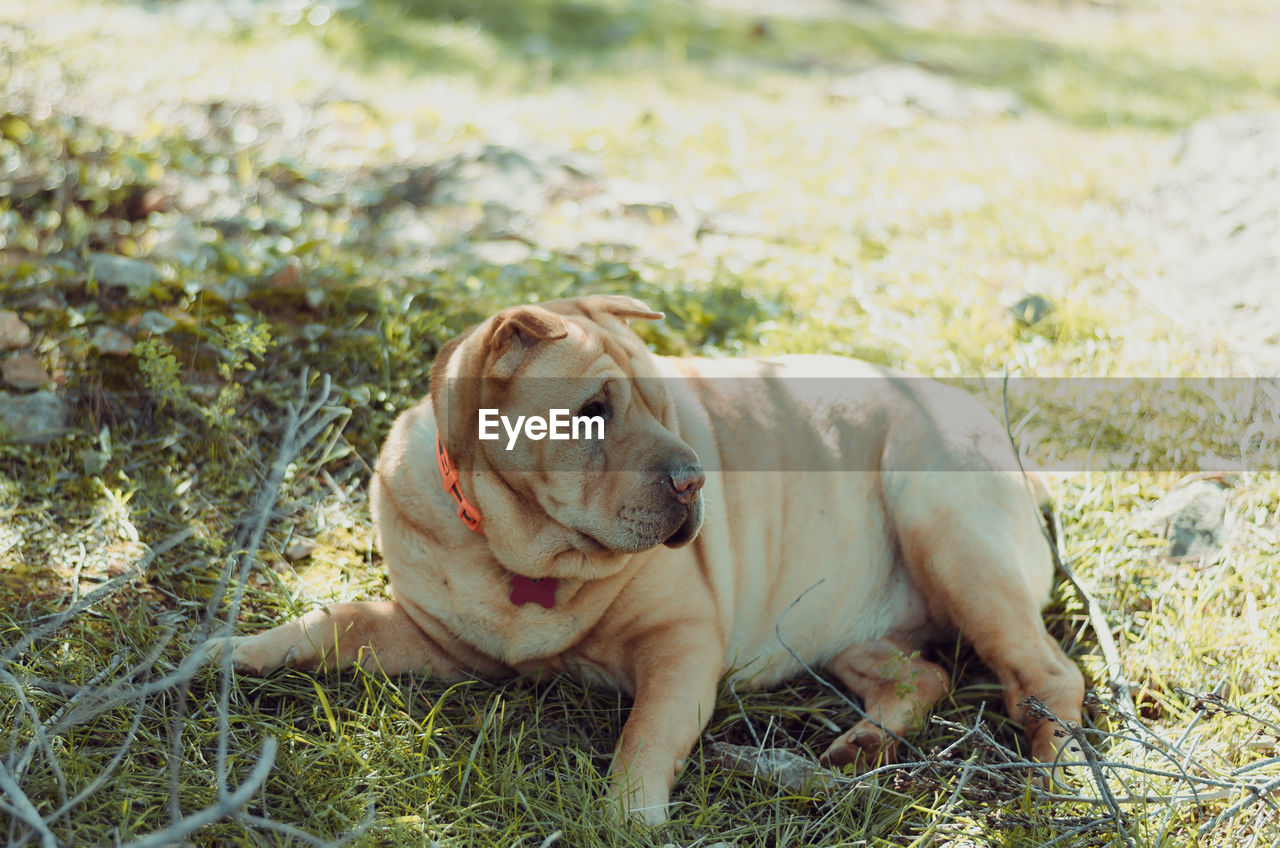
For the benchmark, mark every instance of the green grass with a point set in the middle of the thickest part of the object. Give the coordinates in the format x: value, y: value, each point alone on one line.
x: 902, y: 243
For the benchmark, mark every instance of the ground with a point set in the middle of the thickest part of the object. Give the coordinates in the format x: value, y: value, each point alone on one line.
x: 214, y: 214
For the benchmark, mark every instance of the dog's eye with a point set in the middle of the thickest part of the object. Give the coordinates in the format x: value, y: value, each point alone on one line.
x: 595, y: 409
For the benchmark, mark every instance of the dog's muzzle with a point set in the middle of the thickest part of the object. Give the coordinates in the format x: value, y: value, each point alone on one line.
x: 686, y: 481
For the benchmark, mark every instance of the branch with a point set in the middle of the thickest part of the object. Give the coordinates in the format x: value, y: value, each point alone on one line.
x: 188, y: 825
x: 23, y: 809
x: 104, y: 591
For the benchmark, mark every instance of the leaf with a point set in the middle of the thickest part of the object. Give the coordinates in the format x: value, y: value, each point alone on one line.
x: 324, y: 705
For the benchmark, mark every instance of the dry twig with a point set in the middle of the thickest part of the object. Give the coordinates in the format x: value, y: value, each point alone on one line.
x: 110, y: 689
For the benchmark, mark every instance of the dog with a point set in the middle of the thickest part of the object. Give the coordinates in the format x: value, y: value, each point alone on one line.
x: 660, y: 557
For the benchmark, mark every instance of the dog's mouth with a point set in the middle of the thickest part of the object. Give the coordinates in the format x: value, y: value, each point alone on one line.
x: 638, y: 530
x: 688, y: 528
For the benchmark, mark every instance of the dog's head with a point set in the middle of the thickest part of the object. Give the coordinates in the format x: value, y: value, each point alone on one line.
x: 623, y: 481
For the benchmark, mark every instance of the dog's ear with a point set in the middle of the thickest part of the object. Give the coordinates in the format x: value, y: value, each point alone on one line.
x: 518, y: 330
x: 526, y: 325
x: 622, y: 306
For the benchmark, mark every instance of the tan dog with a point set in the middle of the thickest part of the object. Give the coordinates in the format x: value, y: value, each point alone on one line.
x: 666, y: 576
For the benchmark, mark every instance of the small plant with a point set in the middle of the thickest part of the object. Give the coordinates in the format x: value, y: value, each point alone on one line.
x: 161, y: 373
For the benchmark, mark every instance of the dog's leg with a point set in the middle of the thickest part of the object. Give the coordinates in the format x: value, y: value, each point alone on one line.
x: 675, y: 692
x: 374, y: 634
x: 897, y: 689
x: 973, y: 544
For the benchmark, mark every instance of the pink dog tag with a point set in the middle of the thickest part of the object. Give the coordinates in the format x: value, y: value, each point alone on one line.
x: 541, y: 592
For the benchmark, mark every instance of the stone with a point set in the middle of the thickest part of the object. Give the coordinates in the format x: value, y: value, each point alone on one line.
x: 133, y: 274
x: 299, y: 548
x: 154, y: 321
x: 895, y: 95
x: 517, y: 180
x: 778, y: 765
x: 14, y: 333
x: 1030, y: 309
x: 24, y: 371
x: 1192, y: 517
x: 32, y: 419
x: 110, y: 341
x: 94, y: 462
x: 178, y: 241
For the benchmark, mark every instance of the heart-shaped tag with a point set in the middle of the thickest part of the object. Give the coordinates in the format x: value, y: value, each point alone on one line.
x: 525, y: 590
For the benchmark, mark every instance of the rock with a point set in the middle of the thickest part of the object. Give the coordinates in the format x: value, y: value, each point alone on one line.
x: 299, y: 548
x: 154, y: 321
x: 1192, y: 517
x: 24, y: 371
x: 778, y: 765
x: 94, y: 462
x: 647, y: 202
x: 1030, y: 309
x: 895, y: 95
x: 230, y: 289
x: 178, y: 241
x: 1214, y: 215
x: 286, y: 273
x: 516, y: 180
x: 14, y: 333
x: 110, y: 341
x: 133, y: 274
x: 42, y: 301
x: 32, y: 419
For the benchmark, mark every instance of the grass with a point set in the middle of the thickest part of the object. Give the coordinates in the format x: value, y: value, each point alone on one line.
x: 834, y: 230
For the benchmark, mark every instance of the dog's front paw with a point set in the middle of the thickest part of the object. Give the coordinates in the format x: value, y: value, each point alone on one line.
x: 629, y: 801
x: 249, y: 654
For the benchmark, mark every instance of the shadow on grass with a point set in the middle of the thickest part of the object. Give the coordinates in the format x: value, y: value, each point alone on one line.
x: 518, y: 41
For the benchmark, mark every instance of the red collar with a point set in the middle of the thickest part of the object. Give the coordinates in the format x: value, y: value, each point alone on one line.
x: 449, y: 475
x: 523, y: 589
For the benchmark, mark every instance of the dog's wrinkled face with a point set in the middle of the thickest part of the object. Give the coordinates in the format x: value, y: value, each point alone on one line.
x: 632, y: 489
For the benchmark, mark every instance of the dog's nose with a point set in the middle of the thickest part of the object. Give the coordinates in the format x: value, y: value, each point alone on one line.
x: 686, y: 481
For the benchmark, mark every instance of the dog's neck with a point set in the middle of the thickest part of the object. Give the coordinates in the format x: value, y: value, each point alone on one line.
x: 467, y: 511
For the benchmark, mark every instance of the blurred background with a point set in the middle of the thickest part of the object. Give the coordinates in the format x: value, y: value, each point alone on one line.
x: 895, y: 174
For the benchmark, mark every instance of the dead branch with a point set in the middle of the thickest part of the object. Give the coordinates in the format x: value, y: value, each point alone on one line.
x: 188, y: 825
x: 20, y: 807
x: 305, y: 422
x: 103, y: 592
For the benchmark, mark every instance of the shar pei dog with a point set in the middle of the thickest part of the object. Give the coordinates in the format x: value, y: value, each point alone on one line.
x: 658, y: 549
